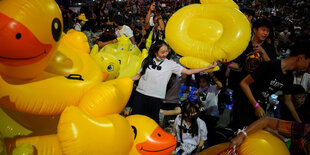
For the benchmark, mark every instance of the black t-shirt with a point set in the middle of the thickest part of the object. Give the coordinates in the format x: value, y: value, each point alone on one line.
x: 249, y: 61
x: 269, y: 79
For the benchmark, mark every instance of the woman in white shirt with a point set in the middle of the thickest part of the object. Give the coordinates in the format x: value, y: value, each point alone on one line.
x: 154, y: 75
x: 191, y: 132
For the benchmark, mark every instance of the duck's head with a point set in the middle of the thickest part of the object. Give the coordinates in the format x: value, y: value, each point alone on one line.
x: 149, y: 137
x: 30, y: 31
x: 108, y: 62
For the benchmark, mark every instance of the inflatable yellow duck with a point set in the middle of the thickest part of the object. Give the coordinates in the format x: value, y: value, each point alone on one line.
x: 207, y: 32
x: 150, y: 138
x: 128, y: 55
x: 64, y: 111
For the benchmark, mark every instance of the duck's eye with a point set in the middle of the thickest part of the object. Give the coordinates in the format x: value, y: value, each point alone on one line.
x: 18, y: 35
x: 56, y: 29
x: 110, y: 68
x: 159, y: 135
x: 134, y: 131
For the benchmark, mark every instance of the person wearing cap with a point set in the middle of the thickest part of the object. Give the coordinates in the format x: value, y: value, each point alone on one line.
x: 81, y: 21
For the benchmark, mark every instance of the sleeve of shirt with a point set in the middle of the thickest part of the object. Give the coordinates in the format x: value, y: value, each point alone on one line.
x: 216, y: 91
x: 203, y: 132
x: 261, y: 71
x: 176, y: 68
x: 129, y: 32
x: 140, y: 70
x: 176, y: 128
x: 291, y: 129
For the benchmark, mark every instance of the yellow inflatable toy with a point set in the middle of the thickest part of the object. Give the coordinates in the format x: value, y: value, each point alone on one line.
x: 65, y: 109
x: 129, y: 56
x: 207, y: 32
x: 149, y: 137
x: 260, y: 143
x: 107, y: 62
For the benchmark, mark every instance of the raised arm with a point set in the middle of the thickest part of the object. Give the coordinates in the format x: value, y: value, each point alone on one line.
x: 198, y: 70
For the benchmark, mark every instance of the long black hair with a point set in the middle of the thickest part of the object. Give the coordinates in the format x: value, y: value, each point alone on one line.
x: 149, y: 59
x: 187, y: 108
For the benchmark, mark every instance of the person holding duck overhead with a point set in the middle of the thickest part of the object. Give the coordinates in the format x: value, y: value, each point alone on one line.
x: 153, y: 77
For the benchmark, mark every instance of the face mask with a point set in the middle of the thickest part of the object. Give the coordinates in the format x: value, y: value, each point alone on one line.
x: 158, y: 58
x: 297, y: 32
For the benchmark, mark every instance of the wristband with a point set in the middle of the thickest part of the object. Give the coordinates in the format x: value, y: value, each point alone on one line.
x: 242, y: 131
x: 256, y: 105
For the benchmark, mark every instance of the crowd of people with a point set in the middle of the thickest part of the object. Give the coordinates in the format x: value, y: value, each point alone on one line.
x: 268, y: 83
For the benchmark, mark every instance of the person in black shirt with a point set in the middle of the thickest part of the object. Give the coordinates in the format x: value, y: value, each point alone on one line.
x: 258, y: 50
x: 270, y: 77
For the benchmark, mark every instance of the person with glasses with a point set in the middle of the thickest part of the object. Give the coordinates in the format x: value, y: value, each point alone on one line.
x: 153, y: 77
x: 191, y: 132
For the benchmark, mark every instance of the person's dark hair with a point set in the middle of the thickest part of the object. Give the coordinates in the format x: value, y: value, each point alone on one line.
x: 119, y: 20
x: 149, y: 59
x: 248, y: 12
x: 262, y: 22
x: 301, y: 47
x: 206, y: 77
x: 187, y: 108
x: 298, y: 89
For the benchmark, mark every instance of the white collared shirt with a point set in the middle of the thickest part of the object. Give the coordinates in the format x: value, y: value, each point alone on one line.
x: 154, y: 82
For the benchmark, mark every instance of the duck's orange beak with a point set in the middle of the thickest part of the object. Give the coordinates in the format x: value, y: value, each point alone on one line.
x: 19, y: 46
x: 160, y: 142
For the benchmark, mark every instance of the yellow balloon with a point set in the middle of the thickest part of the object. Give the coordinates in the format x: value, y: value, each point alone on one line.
x: 263, y: 143
x: 79, y: 133
x: 211, y: 31
x: 29, y: 36
x: 149, y: 137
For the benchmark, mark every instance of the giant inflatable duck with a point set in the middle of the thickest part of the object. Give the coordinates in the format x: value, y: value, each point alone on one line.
x: 52, y: 96
x: 129, y: 57
x: 210, y: 31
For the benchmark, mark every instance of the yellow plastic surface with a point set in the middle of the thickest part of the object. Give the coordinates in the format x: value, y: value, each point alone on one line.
x: 211, y: 31
x: 81, y: 134
x: 107, y: 62
x: 150, y: 138
x: 37, y: 16
x: 263, y: 143
x: 129, y: 56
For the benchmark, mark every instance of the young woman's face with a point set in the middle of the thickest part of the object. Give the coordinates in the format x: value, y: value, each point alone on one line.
x: 162, y: 52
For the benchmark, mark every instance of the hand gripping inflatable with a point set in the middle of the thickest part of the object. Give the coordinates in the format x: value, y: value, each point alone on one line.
x: 149, y: 137
x: 260, y: 143
x: 203, y: 33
